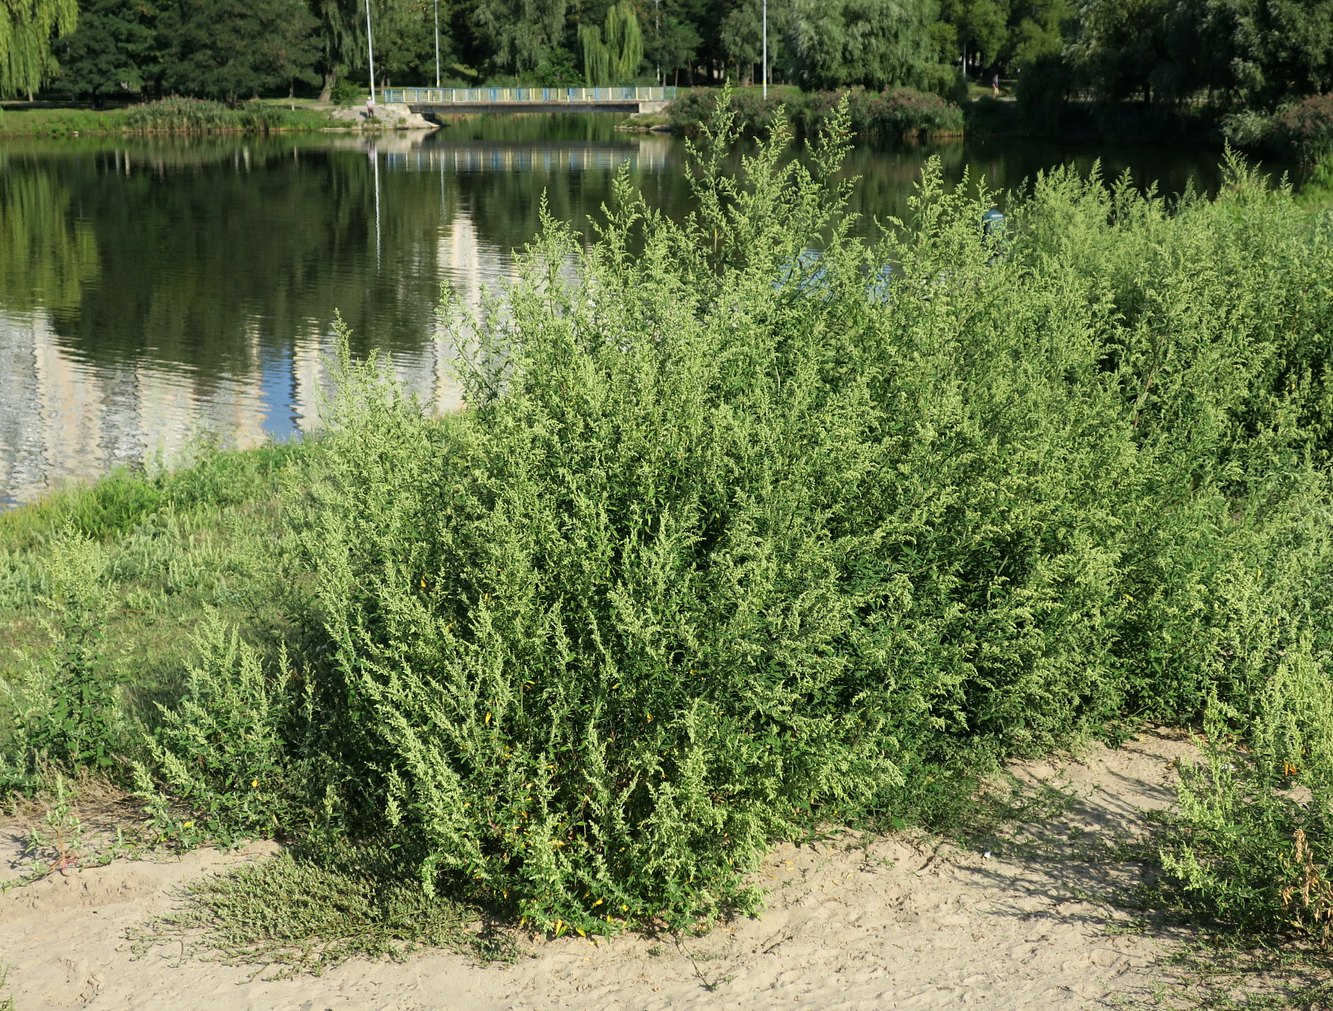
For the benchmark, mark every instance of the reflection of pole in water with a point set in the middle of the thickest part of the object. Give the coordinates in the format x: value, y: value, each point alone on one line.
x: 375, y: 161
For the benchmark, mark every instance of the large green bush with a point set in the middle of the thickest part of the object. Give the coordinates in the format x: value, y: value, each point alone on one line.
x: 1305, y: 128
x: 736, y: 539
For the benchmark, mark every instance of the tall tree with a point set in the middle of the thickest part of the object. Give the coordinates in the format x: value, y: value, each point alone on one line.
x: 671, y: 39
x: 613, y: 55
x: 405, y: 41
x: 110, y: 50
x: 743, y: 39
x: 231, y: 50
x: 1036, y: 31
x: 27, y: 28
x: 980, y: 28
x: 518, y: 36
x: 1287, y: 46
x: 1117, y: 46
x: 875, y: 43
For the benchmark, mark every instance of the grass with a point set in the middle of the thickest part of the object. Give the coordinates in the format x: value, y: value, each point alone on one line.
x: 293, y: 914
x: 173, y: 548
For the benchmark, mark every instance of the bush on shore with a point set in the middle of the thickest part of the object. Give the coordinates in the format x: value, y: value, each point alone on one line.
x: 1302, y: 130
x: 735, y: 541
x: 893, y: 114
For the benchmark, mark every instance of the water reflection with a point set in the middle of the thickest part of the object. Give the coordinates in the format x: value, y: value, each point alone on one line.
x: 151, y: 289
x: 150, y: 293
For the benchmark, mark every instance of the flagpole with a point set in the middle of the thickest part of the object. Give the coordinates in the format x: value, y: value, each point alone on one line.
x: 370, y: 43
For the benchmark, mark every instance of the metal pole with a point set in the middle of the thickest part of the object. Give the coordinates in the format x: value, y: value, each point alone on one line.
x: 370, y: 43
x: 766, y: 48
x: 437, y: 43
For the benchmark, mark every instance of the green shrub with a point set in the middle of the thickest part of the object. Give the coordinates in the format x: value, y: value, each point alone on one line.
x: 225, y: 751
x: 1043, y: 90
x: 66, y: 702
x: 894, y: 114
x: 197, y: 115
x: 943, y: 79
x: 724, y: 545
x: 347, y: 92
x: 1252, y: 841
x: 1305, y: 129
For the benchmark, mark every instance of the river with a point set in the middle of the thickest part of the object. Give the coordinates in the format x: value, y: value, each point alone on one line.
x: 154, y: 290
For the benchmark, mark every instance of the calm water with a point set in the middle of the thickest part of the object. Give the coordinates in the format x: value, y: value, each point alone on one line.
x: 150, y: 290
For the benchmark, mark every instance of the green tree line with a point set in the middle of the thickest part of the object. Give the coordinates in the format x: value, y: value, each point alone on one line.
x: 1226, y: 53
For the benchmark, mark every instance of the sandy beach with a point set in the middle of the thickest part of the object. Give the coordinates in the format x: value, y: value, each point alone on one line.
x: 900, y: 921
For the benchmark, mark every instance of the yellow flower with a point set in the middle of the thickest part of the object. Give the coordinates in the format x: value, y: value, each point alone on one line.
x: 254, y: 784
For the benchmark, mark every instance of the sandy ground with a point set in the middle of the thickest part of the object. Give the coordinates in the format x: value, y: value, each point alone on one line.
x: 889, y: 922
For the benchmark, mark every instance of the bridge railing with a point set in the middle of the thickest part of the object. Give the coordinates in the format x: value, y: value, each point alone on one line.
x: 523, y: 96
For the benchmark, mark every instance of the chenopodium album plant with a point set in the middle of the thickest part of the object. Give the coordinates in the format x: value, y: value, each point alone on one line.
x: 224, y: 761
x: 1252, y: 840
x: 724, y: 544
x: 736, y: 536
x: 66, y: 701
x: 592, y: 645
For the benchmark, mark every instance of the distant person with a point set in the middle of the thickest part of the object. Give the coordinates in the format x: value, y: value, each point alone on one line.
x: 995, y: 86
x: 370, y: 107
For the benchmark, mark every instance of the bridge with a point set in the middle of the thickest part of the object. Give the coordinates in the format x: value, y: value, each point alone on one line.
x: 451, y: 101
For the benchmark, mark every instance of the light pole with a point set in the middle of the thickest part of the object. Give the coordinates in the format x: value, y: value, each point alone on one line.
x: 765, y: 48
x: 370, y: 44
x: 437, y: 43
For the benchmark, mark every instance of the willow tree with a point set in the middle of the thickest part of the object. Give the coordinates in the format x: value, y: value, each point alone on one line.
x: 27, y: 29
x: 343, y: 39
x: 613, y: 55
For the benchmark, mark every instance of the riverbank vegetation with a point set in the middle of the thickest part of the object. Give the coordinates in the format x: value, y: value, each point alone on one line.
x: 1243, y: 70
x: 1228, y: 55
x: 894, y: 114
x: 736, y: 544
x: 170, y: 115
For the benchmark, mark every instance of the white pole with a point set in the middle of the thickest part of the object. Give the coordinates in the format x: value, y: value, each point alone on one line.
x: 370, y: 44
x: 766, y: 48
x: 437, y: 43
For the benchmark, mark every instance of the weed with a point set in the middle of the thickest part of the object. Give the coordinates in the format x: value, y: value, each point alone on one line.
x: 67, y: 706
x: 296, y: 913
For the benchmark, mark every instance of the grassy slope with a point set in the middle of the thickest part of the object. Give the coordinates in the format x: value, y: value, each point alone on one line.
x: 175, y: 546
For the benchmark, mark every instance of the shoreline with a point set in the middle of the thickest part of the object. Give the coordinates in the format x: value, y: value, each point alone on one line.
x: 1036, y: 913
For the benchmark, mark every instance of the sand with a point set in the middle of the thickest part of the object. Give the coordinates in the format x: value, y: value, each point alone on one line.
x: 1017, y: 921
